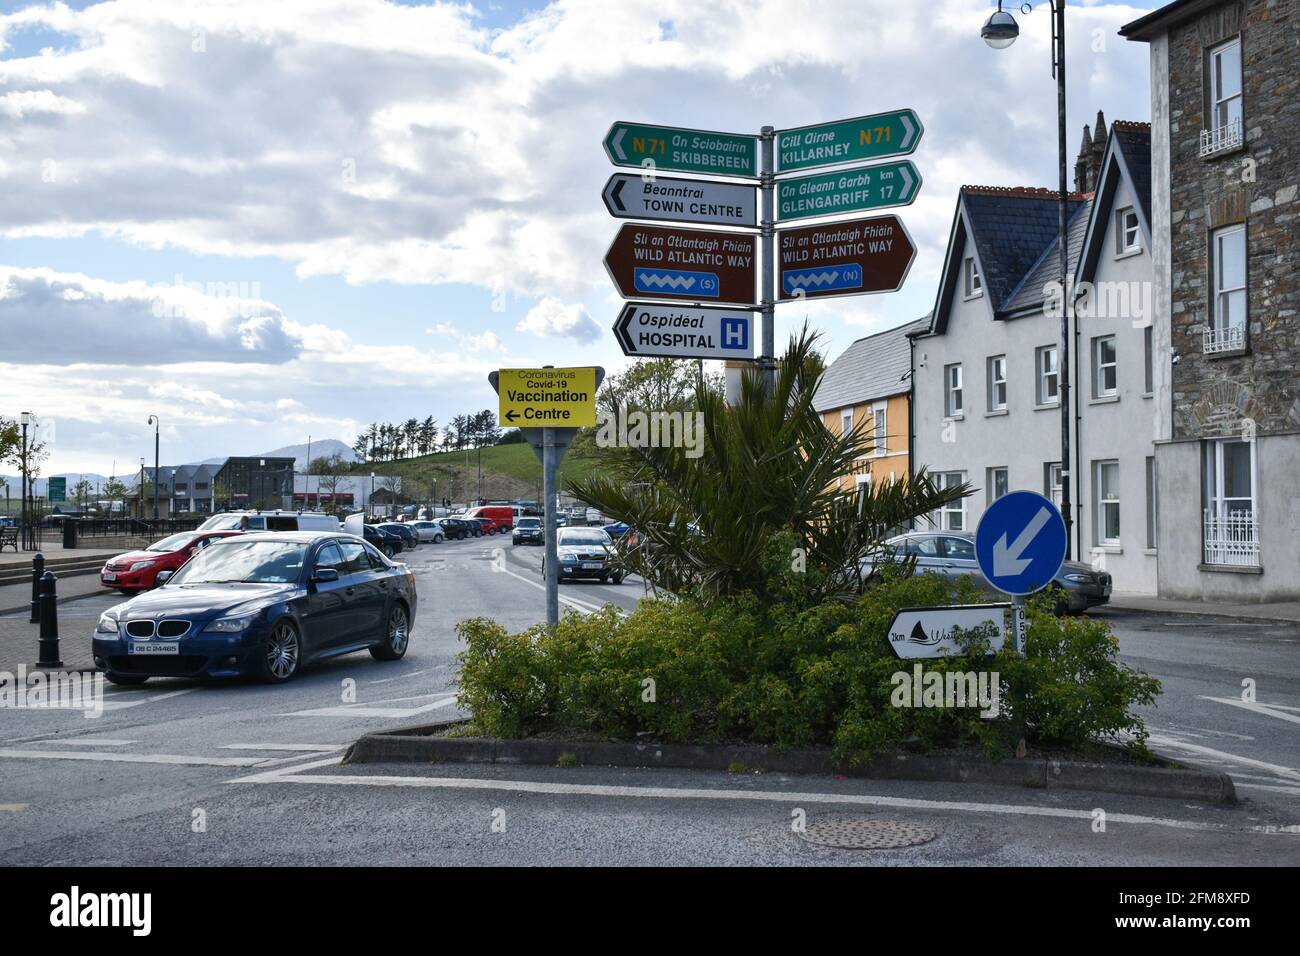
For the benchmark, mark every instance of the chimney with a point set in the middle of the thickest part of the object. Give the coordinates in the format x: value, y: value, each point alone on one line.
x: 1087, y: 168
x: 1081, y: 164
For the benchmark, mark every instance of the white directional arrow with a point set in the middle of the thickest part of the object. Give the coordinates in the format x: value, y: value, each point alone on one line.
x: 911, y: 132
x: 617, y: 143
x: 1007, y: 560
x: 907, y: 178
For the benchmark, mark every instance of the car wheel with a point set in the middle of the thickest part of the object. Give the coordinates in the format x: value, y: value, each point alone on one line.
x: 126, y: 591
x: 604, y: 579
x: 281, y: 654
x: 126, y: 680
x: 397, y: 637
x: 618, y: 578
x: 437, y: 539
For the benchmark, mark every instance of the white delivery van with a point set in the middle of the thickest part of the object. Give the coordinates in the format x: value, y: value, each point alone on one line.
x: 271, y: 521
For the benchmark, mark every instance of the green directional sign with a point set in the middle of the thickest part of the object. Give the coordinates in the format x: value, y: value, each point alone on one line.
x: 848, y: 141
x: 57, y: 489
x: 682, y: 150
x: 849, y: 190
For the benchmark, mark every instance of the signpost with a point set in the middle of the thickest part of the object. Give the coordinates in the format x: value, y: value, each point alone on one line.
x: 849, y: 190
x: 629, y: 196
x: 693, y: 264
x: 682, y: 150
x: 1020, y: 545
x: 852, y: 257
x: 57, y: 490
x: 878, y: 136
x: 927, y: 632
x: 544, y: 392
x: 646, y: 329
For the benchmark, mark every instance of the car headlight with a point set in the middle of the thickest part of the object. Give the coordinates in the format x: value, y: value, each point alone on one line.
x: 230, y: 625
x: 107, y: 624
x: 141, y: 565
x: 569, y: 558
x: 1078, y: 578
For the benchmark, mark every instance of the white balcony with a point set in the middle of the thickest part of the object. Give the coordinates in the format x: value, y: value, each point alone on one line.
x: 1224, y: 138
x: 1232, y: 539
x: 1224, y: 339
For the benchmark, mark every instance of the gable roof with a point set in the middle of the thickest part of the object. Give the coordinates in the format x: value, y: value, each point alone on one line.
x: 1127, y: 158
x: 1165, y: 18
x: 871, y: 368
x: 1028, y: 296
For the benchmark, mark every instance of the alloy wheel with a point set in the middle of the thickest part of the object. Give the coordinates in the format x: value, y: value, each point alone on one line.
x: 282, y: 651
x: 398, y: 632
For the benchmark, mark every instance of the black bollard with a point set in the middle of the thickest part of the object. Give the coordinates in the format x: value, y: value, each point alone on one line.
x: 49, y: 651
x: 38, y: 568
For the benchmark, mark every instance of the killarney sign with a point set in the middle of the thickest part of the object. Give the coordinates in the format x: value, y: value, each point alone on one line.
x: 849, y: 190
x: 646, y: 329
x: 547, y: 397
x: 629, y: 196
x: 682, y: 150
x: 694, y: 264
x: 878, y: 136
x: 854, y: 257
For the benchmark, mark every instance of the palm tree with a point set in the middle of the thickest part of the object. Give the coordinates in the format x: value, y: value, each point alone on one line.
x: 759, y: 509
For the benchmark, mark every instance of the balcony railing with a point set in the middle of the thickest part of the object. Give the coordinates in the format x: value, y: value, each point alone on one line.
x: 1217, y: 140
x: 1232, y: 539
x: 1224, y: 339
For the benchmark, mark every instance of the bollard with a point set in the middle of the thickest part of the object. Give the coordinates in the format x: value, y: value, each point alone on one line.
x: 49, y: 650
x: 38, y: 568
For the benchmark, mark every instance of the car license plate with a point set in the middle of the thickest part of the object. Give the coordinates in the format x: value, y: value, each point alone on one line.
x: 109, y: 576
x: 168, y: 648
x: 591, y: 565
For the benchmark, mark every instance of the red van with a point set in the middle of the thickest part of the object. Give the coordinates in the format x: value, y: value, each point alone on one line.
x: 502, y: 517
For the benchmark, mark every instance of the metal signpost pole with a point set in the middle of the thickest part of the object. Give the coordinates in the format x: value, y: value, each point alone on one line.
x: 767, y: 184
x: 550, y: 461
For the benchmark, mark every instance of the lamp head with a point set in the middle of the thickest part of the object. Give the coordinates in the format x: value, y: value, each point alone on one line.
x: 1000, y: 29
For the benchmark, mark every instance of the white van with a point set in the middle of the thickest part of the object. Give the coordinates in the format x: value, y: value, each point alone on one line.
x: 271, y: 521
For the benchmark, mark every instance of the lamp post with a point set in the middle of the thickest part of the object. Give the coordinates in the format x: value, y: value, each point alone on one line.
x: 141, y: 495
x: 26, y: 419
x: 153, y: 420
x: 999, y: 32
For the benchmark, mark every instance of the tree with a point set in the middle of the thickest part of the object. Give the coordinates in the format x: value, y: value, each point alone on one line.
x: 329, y: 470
x: 81, y: 493
x: 114, y: 490
x: 759, y: 510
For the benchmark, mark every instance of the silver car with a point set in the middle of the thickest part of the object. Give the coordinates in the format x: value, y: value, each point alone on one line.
x: 429, y: 531
x: 585, y: 553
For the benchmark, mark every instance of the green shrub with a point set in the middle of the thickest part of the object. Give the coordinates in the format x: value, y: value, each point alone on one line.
x: 748, y: 670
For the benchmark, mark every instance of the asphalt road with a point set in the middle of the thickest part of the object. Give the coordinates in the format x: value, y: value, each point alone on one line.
x: 178, y: 772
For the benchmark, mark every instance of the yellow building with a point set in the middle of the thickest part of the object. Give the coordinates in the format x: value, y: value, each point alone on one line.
x: 869, y: 386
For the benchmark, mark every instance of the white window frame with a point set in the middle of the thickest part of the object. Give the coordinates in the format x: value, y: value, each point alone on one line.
x: 1231, y: 534
x: 991, y: 482
x: 973, y: 284
x: 952, y: 383
x: 1153, y: 504
x: 1223, y: 130
x: 1044, y: 375
x: 997, y: 378
x: 1148, y: 361
x: 1053, y: 485
x: 1099, y: 367
x: 1103, y: 504
x: 880, y: 428
x: 1128, y: 232
x: 846, y: 421
x: 956, y: 509
x: 1221, y: 335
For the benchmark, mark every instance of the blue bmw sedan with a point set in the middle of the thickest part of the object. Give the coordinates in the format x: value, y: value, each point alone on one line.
x: 261, y: 606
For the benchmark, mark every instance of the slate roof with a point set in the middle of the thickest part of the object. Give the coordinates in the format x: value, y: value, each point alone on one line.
x: 871, y: 368
x: 1029, y: 293
x: 1135, y: 143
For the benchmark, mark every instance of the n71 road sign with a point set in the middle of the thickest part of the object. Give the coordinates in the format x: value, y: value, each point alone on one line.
x: 849, y: 190
x: 646, y: 329
x: 629, y: 196
x: 848, y: 141
x: 683, y: 150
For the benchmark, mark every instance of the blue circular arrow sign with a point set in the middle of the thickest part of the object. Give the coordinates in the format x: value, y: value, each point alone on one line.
x: 1020, y: 542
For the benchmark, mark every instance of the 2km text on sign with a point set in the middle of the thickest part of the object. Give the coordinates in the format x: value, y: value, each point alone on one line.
x: 547, y: 397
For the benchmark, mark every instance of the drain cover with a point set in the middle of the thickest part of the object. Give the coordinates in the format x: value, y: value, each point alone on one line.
x: 858, y: 833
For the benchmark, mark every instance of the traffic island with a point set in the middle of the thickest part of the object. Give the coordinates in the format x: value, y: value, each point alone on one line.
x: 1104, y: 769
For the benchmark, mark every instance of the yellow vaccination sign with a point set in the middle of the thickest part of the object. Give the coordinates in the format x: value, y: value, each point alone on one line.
x: 547, y: 397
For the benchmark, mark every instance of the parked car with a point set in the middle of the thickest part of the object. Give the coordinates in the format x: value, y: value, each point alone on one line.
x: 584, y: 553
x: 616, y: 530
x: 501, y: 516
x: 138, y: 570
x: 386, y: 541
x: 952, y: 554
x: 593, y: 516
x: 455, y: 529
x: 487, y: 526
x: 404, y: 531
x: 561, y: 519
x: 271, y: 521
x: 429, y: 531
x: 528, y: 531
x: 261, y: 605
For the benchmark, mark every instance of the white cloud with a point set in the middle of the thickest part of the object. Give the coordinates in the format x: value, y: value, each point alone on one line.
x: 552, y: 317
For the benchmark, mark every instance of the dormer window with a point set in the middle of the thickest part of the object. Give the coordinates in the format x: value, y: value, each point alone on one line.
x: 1128, y: 237
x: 973, y: 285
x: 1224, y: 111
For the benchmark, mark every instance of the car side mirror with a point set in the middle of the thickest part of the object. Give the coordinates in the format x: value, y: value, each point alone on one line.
x: 163, y: 577
x: 325, y: 575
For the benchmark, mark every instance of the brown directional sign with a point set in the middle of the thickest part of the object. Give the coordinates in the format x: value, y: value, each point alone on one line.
x: 655, y: 262
x: 853, y: 257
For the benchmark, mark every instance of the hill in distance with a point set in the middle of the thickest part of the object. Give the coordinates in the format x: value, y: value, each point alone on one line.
x: 319, y: 449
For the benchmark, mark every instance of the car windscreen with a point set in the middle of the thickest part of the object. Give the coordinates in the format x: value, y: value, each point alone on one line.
x: 249, y: 562
x: 172, y: 542
x: 528, y: 523
x: 584, y: 538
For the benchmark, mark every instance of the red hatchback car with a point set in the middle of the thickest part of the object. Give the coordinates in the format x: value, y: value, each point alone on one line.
x: 138, y: 570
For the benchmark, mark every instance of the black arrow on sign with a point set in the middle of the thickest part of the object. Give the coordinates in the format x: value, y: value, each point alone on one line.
x: 511, y: 415
x: 618, y: 188
x: 620, y: 329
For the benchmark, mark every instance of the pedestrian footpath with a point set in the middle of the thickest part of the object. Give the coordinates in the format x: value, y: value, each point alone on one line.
x: 1276, y: 611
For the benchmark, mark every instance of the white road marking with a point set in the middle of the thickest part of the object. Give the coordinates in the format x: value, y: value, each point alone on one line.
x: 89, y: 742
x: 564, y: 599
x: 310, y: 748
x: 1276, y: 769
x: 1254, y: 707
x: 298, y: 776
x: 12, y: 807
x: 362, y: 710
x: 124, y: 704
x: 1293, y: 791
x: 389, y: 680
x: 180, y: 760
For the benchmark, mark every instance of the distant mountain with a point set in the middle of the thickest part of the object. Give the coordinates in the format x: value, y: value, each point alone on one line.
x: 319, y: 449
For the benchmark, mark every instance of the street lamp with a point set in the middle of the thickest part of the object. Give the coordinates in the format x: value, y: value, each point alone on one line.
x: 142, y: 487
x: 26, y: 419
x: 153, y: 420
x: 999, y: 32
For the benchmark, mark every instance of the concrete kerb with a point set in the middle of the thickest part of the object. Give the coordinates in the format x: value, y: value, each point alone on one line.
x: 417, y: 745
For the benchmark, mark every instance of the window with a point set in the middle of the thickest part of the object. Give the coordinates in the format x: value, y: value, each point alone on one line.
x: 355, y: 560
x: 1128, y: 237
x: 998, y: 383
x: 922, y: 546
x: 973, y: 285
x: 1052, y: 482
x: 959, y: 549
x: 1048, y: 377
x: 1148, y: 362
x: 952, y: 517
x: 1153, y: 513
x: 952, y: 402
x: 1223, y: 128
x: 1104, y: 379
x: 330, y: 557
x: 1227, y: 326
x: 1231, y: 517
x: 879, y: 425
x: 846, y: 421
x: 995, y: 483
x: 1105, y: 483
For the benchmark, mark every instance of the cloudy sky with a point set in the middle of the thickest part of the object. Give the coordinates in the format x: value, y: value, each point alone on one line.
x: 268, y: 219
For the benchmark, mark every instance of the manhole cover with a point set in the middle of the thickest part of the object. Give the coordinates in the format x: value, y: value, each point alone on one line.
x: 856, y: 833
